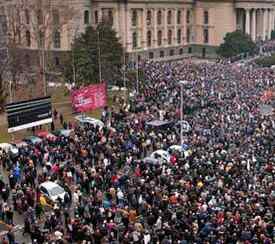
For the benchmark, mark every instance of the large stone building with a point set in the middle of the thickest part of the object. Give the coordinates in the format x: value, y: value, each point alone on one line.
x: 148, y: 29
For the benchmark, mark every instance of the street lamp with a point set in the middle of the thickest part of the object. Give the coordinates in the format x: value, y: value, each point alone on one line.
x: 181, y: 83
x: 137, y: 74
x: 99, y: 57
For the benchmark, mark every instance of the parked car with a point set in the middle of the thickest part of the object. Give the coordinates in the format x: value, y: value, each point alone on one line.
x: 46, y: 135
x: 159, y: 125
x: 63, y: 132
x: 162, y: 155
x: 33, y: 140
x: 52, y: 191
x: 180, y: 149
x: 150, y: 160
x: 82, y: 119
x: 9, y: 148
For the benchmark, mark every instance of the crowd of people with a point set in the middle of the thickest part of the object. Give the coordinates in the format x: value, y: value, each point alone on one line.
x: 222, y: 191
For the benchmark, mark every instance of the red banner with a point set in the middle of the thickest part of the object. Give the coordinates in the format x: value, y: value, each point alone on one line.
x: 89, y: 98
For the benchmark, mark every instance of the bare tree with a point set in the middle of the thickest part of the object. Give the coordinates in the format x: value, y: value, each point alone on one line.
x: 34, y: 30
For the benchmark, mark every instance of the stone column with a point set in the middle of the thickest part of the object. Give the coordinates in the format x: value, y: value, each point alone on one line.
x: 175, y: 26
x: 123, y: 24
x: 272, y: 19
x: 247, y: 21
x: 155, y: 27
x: 116, y: 17
x: 264, y: 24
x: 128, y: 30
x: 269, y: 24
x: 165, y: 39
x: 144, y: 28
x: 253, y: 24
x: 100, y: 15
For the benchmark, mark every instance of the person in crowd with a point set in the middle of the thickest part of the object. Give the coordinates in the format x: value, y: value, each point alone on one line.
x: 219, y: 189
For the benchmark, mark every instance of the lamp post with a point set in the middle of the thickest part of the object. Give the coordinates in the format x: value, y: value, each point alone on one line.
x: 181, y: 83
x: 137, y: 75
x: 99, y: 58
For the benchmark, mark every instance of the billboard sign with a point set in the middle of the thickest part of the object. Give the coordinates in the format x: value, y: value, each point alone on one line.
x: 89, y: 98
x: 27, y: 114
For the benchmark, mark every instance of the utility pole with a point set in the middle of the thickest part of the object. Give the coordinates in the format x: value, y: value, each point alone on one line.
x: 99, y: 57
x: 137, y: 75
x: 181, y: 83
x: 73, y: 57
x: 124, y: 74
x: 181, y: 114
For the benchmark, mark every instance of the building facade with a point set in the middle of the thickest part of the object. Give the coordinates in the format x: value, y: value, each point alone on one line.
x: 147, y: 29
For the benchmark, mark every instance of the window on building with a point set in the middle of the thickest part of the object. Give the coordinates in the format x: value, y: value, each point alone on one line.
x: 134, y: 18
x: 206, y: 17
x: 161, y: 54
x: 179, y: 36
x: 96, y: 17
x: 204, y: 52
x: 169, y: 17
x: 135, y: 40
x: 205, y: 36
x: 149, y: 38
x: 188, y: 17
x: 41, y: 39
x: 170, y: 33
x: 179, y: 17
x: 171, y: 52
x: 190, y: 50
x: 56, y: 19
x: 159, y: 17
x: 159, y: 38
x: 110, y: 17
x: 151, y: 55
x: 188, y: 35
x: 149, y: 17
x: 27, y: 60
x: 27, y: 16
x: 18, y: 16
x: 39, y: 17
x: 86, y: 17
x: 28, y: 38
x: 56, y: 39
x: 181, y: 51
x: 57, y: 61
x: 19, y: 36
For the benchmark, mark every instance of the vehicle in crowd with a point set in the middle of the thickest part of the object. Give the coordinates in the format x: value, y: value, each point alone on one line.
x: 63, y: 132
x: 84, y: 120
x: 9, y: 149
x: 161, y: 155
x: 46, y: 135
x: 183, y: 150
x: 32, y: 140
x: 158, y: 125
x: 52, y: 191
x: 151, y: 161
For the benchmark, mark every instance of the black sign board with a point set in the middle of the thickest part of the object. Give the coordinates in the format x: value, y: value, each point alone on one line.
x: 26, y: 114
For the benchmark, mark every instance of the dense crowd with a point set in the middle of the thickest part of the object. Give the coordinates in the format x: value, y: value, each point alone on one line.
x: 222, y: 191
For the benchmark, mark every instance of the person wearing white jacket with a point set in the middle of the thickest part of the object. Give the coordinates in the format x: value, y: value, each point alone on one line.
x: 147, y: 238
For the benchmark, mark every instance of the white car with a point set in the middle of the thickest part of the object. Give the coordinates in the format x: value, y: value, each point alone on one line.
x: 52, y: 191
x: 182, y: 149
x: 149, y: 160
x: 89, y: 120
x: 162, y: 155
x: 7, y: 147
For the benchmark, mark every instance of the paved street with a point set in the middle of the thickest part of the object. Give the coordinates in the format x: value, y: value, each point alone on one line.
x: 18, y: 221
